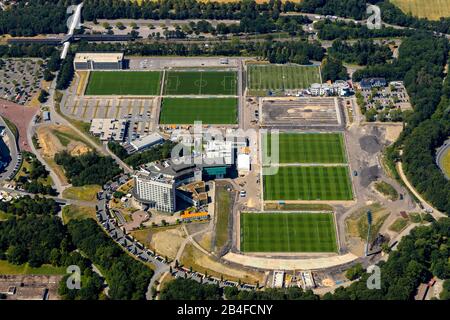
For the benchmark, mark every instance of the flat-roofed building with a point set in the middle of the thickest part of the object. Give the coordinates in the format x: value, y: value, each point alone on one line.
x: 98, y: 61
x: 108, y: 129
x: 146, y: 142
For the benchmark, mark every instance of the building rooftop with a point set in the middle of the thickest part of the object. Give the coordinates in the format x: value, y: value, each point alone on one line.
x: 98, y: 57
x: 108, y: 129
x: 149, y: 140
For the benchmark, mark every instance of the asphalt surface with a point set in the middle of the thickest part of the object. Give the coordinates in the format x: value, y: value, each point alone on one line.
x: 12, y: 151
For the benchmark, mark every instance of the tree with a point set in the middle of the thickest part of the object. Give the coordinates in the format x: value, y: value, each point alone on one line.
x: 355, y: 272
x: 42, y: 98
x: 332, y: 69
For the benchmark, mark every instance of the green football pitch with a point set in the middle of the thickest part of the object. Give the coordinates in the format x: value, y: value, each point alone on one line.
x: 200, y: 83
x: 308, y: 183
x: 280, y: 77
x: 207, y: 110
x: 143, y: 83
x: 288, y: 232
x: 307, y: 147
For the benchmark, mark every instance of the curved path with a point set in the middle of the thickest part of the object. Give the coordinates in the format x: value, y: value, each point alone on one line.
x: 436, y: 213
x: 268, y: 263
x: 441, y: 154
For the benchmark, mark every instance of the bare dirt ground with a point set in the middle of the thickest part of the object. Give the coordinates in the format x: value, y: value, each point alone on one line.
x: 21, y: 116
x: 165, y: 241
x: 50, y: 144
x: 202, y: 262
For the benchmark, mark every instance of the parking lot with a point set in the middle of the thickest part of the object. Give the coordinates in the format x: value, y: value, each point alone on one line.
x: 21, y: 79
x: 139, y: 112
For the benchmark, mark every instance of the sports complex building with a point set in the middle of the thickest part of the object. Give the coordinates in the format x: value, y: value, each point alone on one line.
x: 98, y: 61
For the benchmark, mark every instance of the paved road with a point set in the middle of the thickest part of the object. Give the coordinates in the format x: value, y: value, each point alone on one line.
x: 58, y: 199
x: 13, y: 151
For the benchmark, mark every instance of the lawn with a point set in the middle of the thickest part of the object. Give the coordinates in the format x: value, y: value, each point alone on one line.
x: 308, y: 183
x: 207, y: 110
x: 308, y: 147
x: 200, y: 82
x: 84, y: 193
x: 288, y: 232
x: 431, y: 9
x: 143, y: 83
x: 387, y: 190
x: 13, y: 269
x: 223, y: 206
x: 262, y: 78
x: 74, y: 212
x: 445, y: 162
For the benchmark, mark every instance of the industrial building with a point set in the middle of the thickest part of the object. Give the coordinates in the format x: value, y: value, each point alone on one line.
x: 98, y: 61
x: 108, y: 129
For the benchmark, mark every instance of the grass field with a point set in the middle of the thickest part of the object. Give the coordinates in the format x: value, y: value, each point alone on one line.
x: 13, y: 269
x: 143, y: 83
x: 280, y: 77
x: 84, y: 193
x: 288, y: 232
x: 75, y: 212
x: 431, y: 9
x: 200, y: 82
x: 207, y: 110
x: 445, y: 162
x: 308, y: 183
x: 309, y: 147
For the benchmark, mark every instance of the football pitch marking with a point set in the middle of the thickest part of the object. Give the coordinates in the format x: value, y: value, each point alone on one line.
x: 288, y: 232
x: 311, y: 166
x: 200, y: 83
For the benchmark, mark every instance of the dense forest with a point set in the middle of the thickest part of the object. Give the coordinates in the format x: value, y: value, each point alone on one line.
x: 30, y: 239
x: 89, y: 168
x: 28, y: 205
x: 300, y: 51
x: 127, y: 278
x: 363, y: 52
x: 333, y: 69
x: 328, y: 30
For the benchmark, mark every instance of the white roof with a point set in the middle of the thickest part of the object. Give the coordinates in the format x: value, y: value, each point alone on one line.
x: 146, y: 141
x: 243, y: 161
x: 98, y: 57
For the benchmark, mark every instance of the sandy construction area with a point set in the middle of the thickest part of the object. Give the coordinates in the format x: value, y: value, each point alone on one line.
x: 50, y: 143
